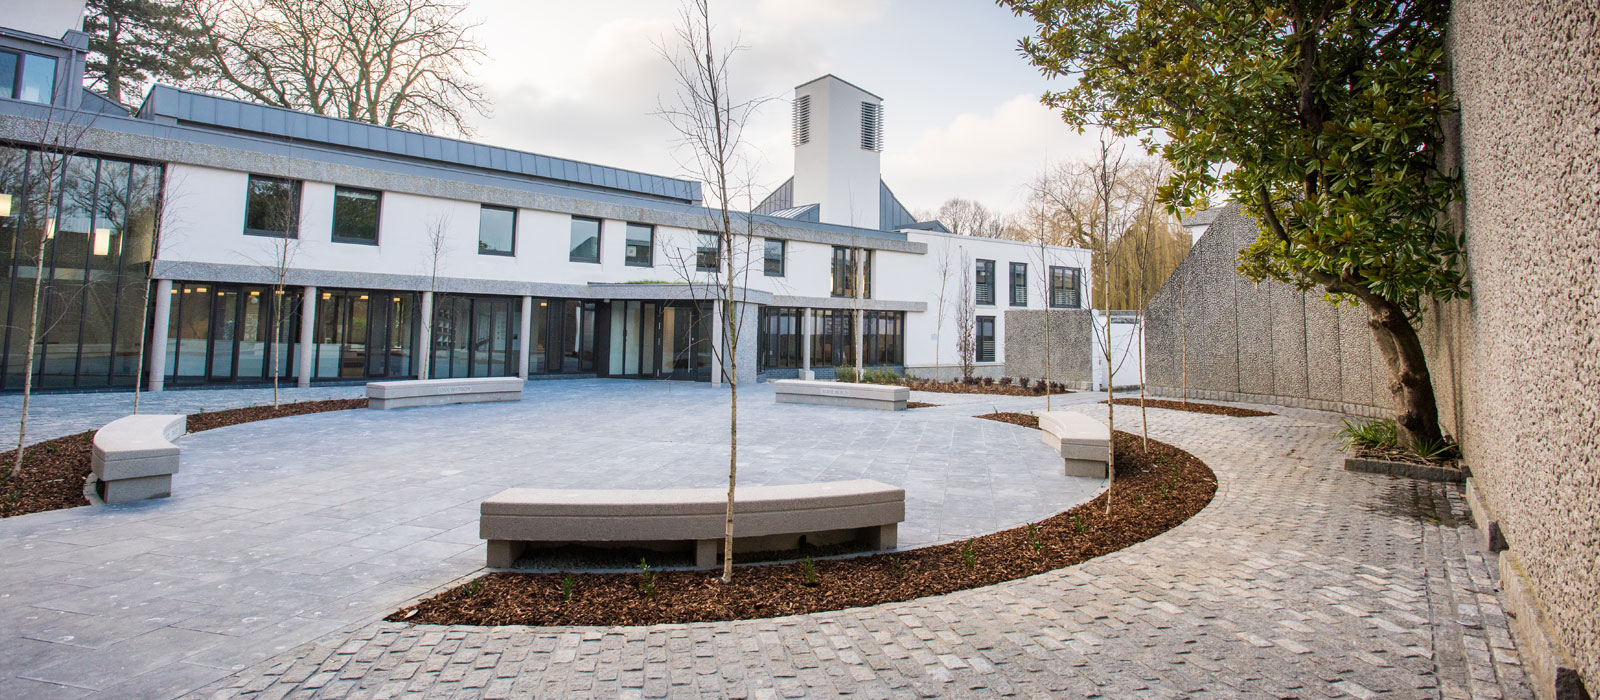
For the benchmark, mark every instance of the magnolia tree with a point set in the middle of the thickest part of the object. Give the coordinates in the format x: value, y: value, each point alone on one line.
x: 1322, y: 117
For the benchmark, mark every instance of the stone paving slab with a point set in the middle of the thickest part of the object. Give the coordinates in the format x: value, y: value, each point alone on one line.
x: 284, y: 531
x: 1299, y: 580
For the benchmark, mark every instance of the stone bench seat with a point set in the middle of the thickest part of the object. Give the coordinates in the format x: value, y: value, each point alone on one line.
x: 135, y: 458
x: 438, y: 392
x: 1083, y: 442
x: 885, y: 397
x: 766, y: 518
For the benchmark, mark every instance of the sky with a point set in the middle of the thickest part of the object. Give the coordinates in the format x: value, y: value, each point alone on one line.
x: 962, y: 118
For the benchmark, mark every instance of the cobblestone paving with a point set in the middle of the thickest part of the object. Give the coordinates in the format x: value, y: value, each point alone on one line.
x: 1299, y: 580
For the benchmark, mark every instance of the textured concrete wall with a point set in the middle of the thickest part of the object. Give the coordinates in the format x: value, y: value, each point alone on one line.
x: 1249, y: 342
x: 1516, y: 368
x: 1071, y: 345
x: 1526, y: 347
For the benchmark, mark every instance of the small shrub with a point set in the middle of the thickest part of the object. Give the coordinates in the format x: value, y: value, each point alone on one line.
x: 472, y: 588
x: 1441, y: 450
x: 1033, y: 539
x: 1077, y: 522
x: 969, y: 556
x: 647, y: 578
x: 988, y: 381
x: 898, y: 565
x: 880, y: 375
x: 1005, y: 381
x: 1377, y: 433
x: 566, y: 588
x: 844, y: 374
x: 808, y: 572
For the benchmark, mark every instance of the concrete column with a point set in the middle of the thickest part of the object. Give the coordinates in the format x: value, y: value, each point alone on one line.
x: 524, y: 339
x: 717, y: 347
x: 308, y: 324
x: 158, y: 336
x: 425, y: 337
x: 858, y: 326
x: 805, y: 345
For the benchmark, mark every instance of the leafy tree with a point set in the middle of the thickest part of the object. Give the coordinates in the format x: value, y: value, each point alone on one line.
x: 132, y: 42
x: 1322, y: 117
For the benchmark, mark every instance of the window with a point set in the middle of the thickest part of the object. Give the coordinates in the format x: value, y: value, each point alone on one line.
x: 497, y: 231
x: 1064, y: 285
x: 985, y: 339
x: 986, y: 282
x: 833, y: 338
x: 585, y: 240
x: 1019, y: 284
x: 355, y: 215
x: 641, y: 245
x: 27, y: 77
x: 707, y: 252
x: 844, y: 272
x: 272, y: 207
x: 882, y: 338
x: 772, y: 258
x: 780, y: 337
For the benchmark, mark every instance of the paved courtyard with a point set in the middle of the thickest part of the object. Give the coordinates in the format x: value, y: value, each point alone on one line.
x: 1299, y: 580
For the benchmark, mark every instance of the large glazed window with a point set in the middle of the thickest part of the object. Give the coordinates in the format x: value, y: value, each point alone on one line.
x: 780, y: 337
x: 585, y: 240
x: 497, y: 231
x: 641, y: 245
x: 883, y: 338
x: 355, y: 215
x: 844, y: 272
x: 272, y: 207
x: 1064, y: 285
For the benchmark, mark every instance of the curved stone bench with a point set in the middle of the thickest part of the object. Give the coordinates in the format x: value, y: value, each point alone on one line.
x: 886, y: 397
x: 407, y: 393
x: 766, y: 518
x: 134, y: 458
x: 1083, y: 442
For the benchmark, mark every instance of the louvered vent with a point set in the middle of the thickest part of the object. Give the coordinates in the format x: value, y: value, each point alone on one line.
x: 871, y: 126
x: 802, y: 120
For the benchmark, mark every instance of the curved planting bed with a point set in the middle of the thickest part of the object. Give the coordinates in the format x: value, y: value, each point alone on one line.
x: 54, y: 471
x: 1152, y: 493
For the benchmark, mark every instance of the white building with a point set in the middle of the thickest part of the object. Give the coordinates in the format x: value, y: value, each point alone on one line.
x: 547, y: 266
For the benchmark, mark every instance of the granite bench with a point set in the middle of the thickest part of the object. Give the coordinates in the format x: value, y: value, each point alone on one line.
x: 437, y: 392
x: 134, y: 457
x: 1082, y: 442
x: 885, y: 397
x: 766, y: 518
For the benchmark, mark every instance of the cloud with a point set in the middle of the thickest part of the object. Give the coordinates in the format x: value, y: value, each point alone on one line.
x: 989, y: 157
x: 828, y: 12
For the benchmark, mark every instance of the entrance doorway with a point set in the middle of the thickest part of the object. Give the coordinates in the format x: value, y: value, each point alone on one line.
x: 659, y: 340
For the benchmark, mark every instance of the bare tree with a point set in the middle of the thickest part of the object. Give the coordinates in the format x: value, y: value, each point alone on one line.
x: 709, y: 124
x: 280, y: 220
x: 966, y: 319
x: 57, y: 136
x: 399, y: 63
x: 1041, y: 251
x: 942, y: 306
x: 1107, y: 171
x: 436, y: 244
x: 168, y: 197
x: 966, y: 217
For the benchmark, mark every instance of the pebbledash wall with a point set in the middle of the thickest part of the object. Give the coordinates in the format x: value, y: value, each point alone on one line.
x: 1516, y: 368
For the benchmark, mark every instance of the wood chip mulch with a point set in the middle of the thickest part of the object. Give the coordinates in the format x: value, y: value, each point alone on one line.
x: 1152, y: 493
x: 1194, y: 407
x: 920, y: 404
x: 1026, y: 420
x: 54, y: 471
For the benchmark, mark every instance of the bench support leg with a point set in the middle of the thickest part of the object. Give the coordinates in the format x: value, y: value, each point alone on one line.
x: 882, y: 536
x: 503, y: 554
x: 705, y: 553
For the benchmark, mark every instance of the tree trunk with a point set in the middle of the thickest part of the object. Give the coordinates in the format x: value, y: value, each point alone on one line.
x: 1411, y: 384
x: 33, y: 341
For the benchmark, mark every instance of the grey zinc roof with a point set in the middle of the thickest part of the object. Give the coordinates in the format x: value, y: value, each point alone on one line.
x: 780, y: 199
x: 184, y: 106
x: 805, y: 212
x: 892, y: 215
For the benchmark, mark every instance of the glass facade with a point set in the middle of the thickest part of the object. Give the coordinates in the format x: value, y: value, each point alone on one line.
x: 883, y: 338
x: 364, y: 334
x: 843, y: 272
x: 780, y: 338
x: 475, y: 336
x: 832, y: 338
x: 224, y: 333
x: 83, y: 228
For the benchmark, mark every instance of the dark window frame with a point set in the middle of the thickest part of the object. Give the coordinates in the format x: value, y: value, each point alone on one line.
x: 978, y: 329
x: 983, y: 273
x: 20, y: 69
x: 1019, y: 283
x: 650, y: 245
x: 377, y: 217
x: 843, y: 283
x: 766, y: 257
x: 1065, y: 275
x: 499, y: 253
x: 296, y: 191
x: 701, y: 250
x: 599, y: 240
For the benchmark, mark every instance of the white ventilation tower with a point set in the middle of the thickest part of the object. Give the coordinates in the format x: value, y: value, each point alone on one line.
x: 838, y: 148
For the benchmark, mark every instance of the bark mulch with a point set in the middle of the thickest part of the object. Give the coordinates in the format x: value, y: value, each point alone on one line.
x: 1026, y: 420
x: 980, y: 388
x: 1193, y: 407
x: 1152, y: 494
x: 54, y: 471
x: 920, y: 404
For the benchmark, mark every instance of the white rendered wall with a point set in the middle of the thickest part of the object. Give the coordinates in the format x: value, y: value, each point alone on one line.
x: 1127, y: 352
x: 832, y: 169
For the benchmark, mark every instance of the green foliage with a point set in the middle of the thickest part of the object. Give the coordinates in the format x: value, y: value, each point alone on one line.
x: 844, y: 374
x: 881, y: 375
x: 1033, y: 539
x: 898, y: 565
x: 969, y: 555
x: 1323, y: 116
x: 472, y: 589
x: 1077, y: 522
x: 1441, y: 450
x: 808, y: 572
x: 1376, y: 433
x: 134, y: 41
x: 567, y: 585
x: 647, y: 578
